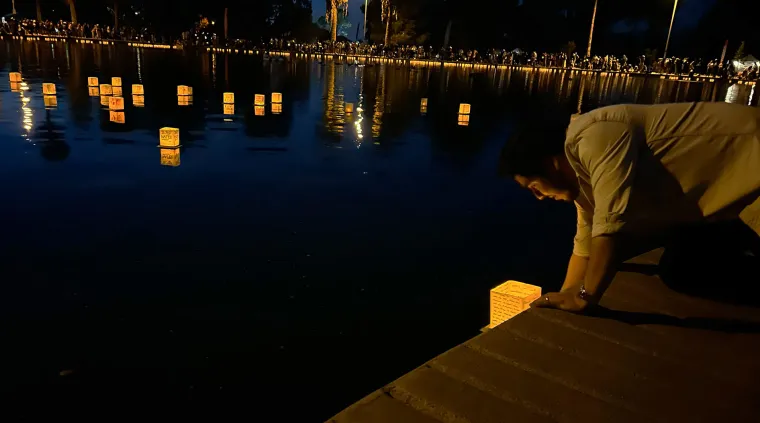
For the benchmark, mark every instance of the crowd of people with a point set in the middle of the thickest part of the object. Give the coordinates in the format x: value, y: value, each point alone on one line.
x: 24, y: 27
x: 200, y: 35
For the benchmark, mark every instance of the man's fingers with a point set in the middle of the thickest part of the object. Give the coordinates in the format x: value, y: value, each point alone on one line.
x: 544, y: 301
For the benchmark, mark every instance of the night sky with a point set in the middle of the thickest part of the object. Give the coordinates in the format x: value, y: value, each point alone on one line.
x: 688, y: 14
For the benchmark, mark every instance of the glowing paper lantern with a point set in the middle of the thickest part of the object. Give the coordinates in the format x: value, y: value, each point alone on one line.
x: 510, y: 299
x: 170, y: 157
x: 116, y: 103
x: 349, y: 107
x: 276, y: 97
x: 259, y: 99
x: 48, y: 88
x: 229, y: 109
x: 463, y: 120
x: 117, y: 116
x: 138, y: 89
x: 276, y: 108
x: 464, y: 109
x: 92, y: 81
x: 106, y: 89
x: 117, y: 91
x: 169, y: 137
x: 51, y: 101
x: 116, y: 81
x: 184, y: 90
x: 259, y: 110
x: 228, y: 98
x: 15, y: 76
x: 424, y: 102
x: 138, y: 100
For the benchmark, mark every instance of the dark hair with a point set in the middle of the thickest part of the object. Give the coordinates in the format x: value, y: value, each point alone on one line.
x: 531, y: 144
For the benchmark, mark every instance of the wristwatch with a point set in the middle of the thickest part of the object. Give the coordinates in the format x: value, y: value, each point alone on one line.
x: 585, y: 295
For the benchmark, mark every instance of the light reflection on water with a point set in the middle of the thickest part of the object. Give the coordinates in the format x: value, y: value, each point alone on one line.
x: 296, y: 235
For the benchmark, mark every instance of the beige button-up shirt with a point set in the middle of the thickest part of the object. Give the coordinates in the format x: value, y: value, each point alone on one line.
x: 643, y: 169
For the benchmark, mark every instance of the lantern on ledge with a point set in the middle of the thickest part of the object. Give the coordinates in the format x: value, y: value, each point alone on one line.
x: 510, y: 299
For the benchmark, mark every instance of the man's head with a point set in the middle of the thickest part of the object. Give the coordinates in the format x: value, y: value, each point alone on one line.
x: 535, y: 157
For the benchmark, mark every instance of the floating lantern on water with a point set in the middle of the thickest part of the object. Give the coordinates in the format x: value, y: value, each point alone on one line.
x: 184, y: 90
x: 92, y: 81
x: 510, y: 299
x: 463, y: 120
x: 117, y: 91
x: 229, y: 109
x: 116, y: 81
x: 276, y: 97
x: 259, y: 100
x: 51, y: 101
x: 15, y: 76
x: 138, y: 100
x: 424, y: 102
x: 170, y: 157
x: 106, y: 89
x: 117, y: 116
x: 138, y: 89
x: 228, y: 98
x: 116, y: 103
x: 276, y: 108
x: 48, y: 88
x: 349, y: 107
x: 168, y: 137
x: 259, y: 110
x: 464, y: 109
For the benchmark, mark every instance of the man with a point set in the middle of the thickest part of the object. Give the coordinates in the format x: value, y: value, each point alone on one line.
x: 634, y: 171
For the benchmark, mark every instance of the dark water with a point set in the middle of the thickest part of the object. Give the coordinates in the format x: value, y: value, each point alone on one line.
x: 283, y: 264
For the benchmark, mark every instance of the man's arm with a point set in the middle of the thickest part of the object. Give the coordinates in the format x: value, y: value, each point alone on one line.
x: 602, y: 266
x: 576, y: 273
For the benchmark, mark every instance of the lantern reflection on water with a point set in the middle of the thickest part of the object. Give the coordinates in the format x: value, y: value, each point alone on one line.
x: 184, y: 100
x: 259, y: 110
x: 117, y: 116
x: 169, y: 157
x: 168, y: 137
x: 93, y: 91
x: 51, y: 101
x: 229, y: 109
x: 464, y: 109
x: 138, y: 100
x: 105, y: 100
x: 15, y: 87
x: 276, y: 108
x: 463, y: 120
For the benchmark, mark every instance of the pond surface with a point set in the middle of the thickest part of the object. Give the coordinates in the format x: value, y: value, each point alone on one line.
x: 286, y: 260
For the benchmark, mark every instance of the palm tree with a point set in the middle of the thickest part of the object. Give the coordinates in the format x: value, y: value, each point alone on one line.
x: 73, y: 9
x: 385, y: 15
x: 39, y: 11
x: 332, y: 15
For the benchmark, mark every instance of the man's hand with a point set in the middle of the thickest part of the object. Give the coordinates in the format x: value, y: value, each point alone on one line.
x: 567, y: 301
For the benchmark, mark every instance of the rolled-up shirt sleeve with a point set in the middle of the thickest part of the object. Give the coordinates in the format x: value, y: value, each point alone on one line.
x: 609, y: 154
x: 582, y: 240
